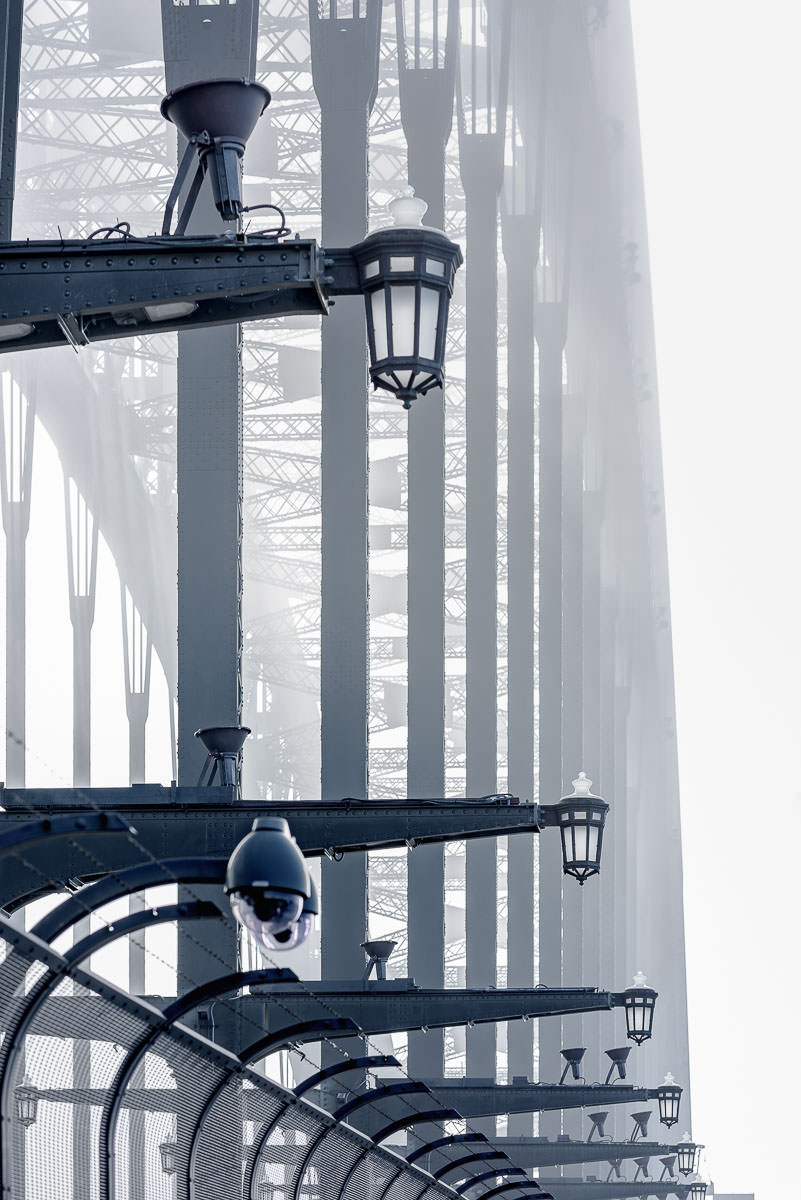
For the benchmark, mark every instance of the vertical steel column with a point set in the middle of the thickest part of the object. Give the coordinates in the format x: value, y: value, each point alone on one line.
x: 137, y: 654
x: 592, y: 524
x: 202, y: 42
x: 344, y: 55
x: 16, y: 467
x: 522, y: 219
x: 426, y: 98
x: 520, y: 245
x: 11, y: 52
x: 573, y: 897
x: 551, y: 329
x: 82, y: 531
x: 481, y: 141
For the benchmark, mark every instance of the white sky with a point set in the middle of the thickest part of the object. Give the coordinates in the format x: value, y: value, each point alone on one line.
x: 720, y: 98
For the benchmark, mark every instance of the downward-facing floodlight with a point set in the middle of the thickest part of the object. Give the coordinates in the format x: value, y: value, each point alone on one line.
x: 618, y: 1056
x: 223, y: 743
x: 169, y: 1157
x: 573, y: 1059
x: 598, y: 1119
x: 216, y: 116
x: 642, y: 1167
x: 668, y: 1166
x: 581, y: 818
x: 267, y: 881
x: 639, y: 1002
x: 378, y: 952
x: 614, y: 1168
x: 687, y: 1154
x: 406, y: 273
x: 669, y: 1097
x: 640, y: 1129
x: 26, y: 1102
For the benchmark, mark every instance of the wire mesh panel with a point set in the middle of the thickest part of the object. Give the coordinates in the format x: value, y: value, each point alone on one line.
x: 63, y: 1045
x: 80, y: 1059
x: 180, y: 1081
x: 369, y: 1179
x: 406, y: 1187
x: 284, y: 1151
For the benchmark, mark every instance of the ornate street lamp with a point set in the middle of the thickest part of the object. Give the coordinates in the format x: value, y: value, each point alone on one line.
x: 669, y: 1096
x: 580, y: 817
x: 698, y: 1189
x: 639, y: 1003
x: 26, y: 1102
x: 169, y: 1157
x: 406, y: 272
x: 267, y: 882
x: 687, y: 1154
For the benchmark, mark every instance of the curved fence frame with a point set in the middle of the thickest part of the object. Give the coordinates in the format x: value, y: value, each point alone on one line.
x: 108, y: 1016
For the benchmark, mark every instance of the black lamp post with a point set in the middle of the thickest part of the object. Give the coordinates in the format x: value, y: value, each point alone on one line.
x: 687, y: 1154
x: 26, y: 1102
x: 169, y: 1159
x: 639, y: 1003
x: 580, y: 817
x: 407, y: 272
x: 669, y: 1096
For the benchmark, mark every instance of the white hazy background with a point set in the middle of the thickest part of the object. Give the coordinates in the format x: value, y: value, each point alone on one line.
x: 720, y: 111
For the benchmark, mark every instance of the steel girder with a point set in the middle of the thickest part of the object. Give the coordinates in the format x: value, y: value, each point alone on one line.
x: 484, y: 1097
x: 78, y: 292
x: 182, y: 821
x: 540, y: 1152
x: 393, y: 1006
x: 592, y: 1189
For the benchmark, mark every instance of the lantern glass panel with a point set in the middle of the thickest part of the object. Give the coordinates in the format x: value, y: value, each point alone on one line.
x: 377, y: 301
x: 579, y: 843
x: 403, y: 310
x: 370, y: 270
x: 429, y: 313
x: 435, y: 267
x: 399, y: 262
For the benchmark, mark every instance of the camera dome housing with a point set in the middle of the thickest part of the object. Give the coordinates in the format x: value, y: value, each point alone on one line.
x: 267, y: 880
x: 299, y: 930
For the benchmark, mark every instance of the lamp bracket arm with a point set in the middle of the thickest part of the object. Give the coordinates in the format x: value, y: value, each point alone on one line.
x: 341, y: 272
x: 549, y: 814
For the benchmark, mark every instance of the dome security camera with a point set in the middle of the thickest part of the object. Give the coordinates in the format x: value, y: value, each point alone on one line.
x: 267, y: 882
x: 300, y: 929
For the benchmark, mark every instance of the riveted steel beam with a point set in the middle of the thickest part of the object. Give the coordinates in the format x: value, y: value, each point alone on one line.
x: 174, y: 822
x: 590, y: 1189
x: 540, y: 1152
x: 483, y: 1097
x: 77, y: 292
